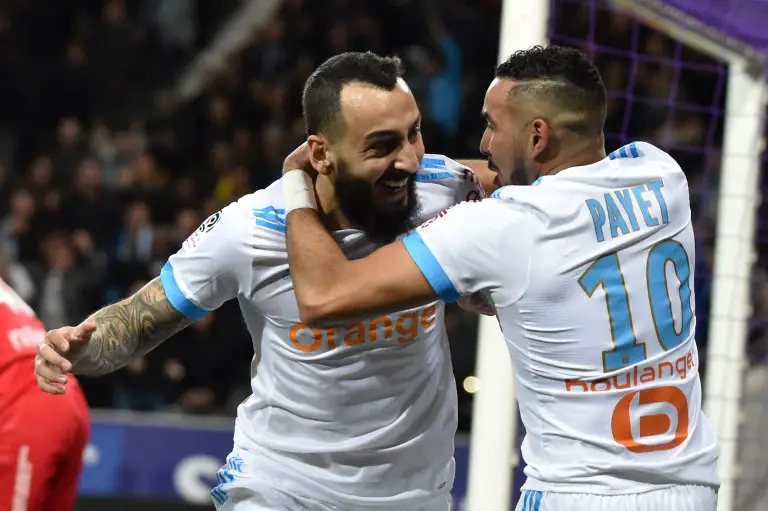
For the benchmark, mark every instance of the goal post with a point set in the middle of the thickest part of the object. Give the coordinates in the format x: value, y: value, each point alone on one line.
x: 493, y: 453
x: 494, y: 421
x: 738, y: 198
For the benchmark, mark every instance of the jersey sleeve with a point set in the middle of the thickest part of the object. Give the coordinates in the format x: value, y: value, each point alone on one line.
x: 212, y: 265
x: 442, y: 182
x: 462, y: 180
x: 468, y: 187
x: 480, y: 246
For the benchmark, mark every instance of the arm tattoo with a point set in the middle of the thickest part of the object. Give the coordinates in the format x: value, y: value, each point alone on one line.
x: 129, y: 328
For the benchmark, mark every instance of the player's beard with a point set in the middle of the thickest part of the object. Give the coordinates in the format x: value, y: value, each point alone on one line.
x: 519, y: 175
x: 357, y: 202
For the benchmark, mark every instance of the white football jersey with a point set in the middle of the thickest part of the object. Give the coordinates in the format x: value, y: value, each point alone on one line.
x: 360, y: 414
x: 591, y: 274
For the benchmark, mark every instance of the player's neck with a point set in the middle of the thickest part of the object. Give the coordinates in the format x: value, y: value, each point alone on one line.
x: 580, y: 154
x: 328, y: 205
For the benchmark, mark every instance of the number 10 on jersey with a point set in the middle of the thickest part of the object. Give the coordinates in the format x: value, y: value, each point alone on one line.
x: 606, y: 273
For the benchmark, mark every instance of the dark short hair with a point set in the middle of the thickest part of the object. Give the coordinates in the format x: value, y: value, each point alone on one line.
x: 321, y: 99
x: 560, y: 75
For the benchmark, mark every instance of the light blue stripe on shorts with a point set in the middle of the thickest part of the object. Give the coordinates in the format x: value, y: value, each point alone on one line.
x: 532, y: 500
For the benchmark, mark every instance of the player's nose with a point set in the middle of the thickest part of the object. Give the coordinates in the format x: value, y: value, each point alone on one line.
x: 408, y: 160
x: 485, y: 142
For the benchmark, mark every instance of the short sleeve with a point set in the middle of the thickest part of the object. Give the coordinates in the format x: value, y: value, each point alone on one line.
x: 480, y: 246
x: 470, y: 188
x: 442, y: 182
x: 212, y: 265
x: 467, y: 186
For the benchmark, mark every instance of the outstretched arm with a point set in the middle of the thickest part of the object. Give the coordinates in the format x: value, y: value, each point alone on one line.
x: 108, y: 339
x: 129, y: 328
x: 206, y: 272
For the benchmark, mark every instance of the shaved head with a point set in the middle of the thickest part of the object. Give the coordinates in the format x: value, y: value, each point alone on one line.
x: 546, y: 108
x: 561, y: 103
x: 322, y: 96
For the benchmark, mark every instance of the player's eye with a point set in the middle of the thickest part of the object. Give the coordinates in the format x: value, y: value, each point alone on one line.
x: 384, y: 147
x: 414, y: 134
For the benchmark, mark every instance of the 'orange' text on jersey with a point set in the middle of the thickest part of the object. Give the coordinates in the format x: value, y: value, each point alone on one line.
x: 404, y: 328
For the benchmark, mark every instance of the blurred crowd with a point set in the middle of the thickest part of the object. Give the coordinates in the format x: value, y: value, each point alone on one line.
x: 104, y: 169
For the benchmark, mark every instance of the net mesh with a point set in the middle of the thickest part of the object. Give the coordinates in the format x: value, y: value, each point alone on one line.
x: 664, y: 92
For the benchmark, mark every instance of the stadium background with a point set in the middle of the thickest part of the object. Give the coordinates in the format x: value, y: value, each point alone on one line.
x: 114, y: 146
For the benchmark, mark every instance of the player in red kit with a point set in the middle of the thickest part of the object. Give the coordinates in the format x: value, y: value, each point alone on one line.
x: 42, y: 436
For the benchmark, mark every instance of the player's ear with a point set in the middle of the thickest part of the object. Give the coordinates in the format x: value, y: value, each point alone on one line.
x: 541, y: 140
x: 318, y: 154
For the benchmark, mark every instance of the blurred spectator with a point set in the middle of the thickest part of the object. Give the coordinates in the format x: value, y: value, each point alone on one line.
x: 16, y: 275
x: 40, y: 178
x: 17, y: 230
x: 442, y: 67
x: 90, y: 206
x: 69, y: 150
x: 136, y: 241
x: 199, y: 370
x: 69, y: 279
x: 114, y: 50
x: 75, y: 82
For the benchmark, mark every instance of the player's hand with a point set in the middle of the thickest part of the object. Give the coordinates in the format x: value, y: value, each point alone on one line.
x: 56, y: 353
x: 299, y: 159
x: 476, y: 303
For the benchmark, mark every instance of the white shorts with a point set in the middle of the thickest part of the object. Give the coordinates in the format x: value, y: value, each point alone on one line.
x: 268, y: 499
x: 274, y: 500
x: 675, y: 498
x: 238, y: 491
